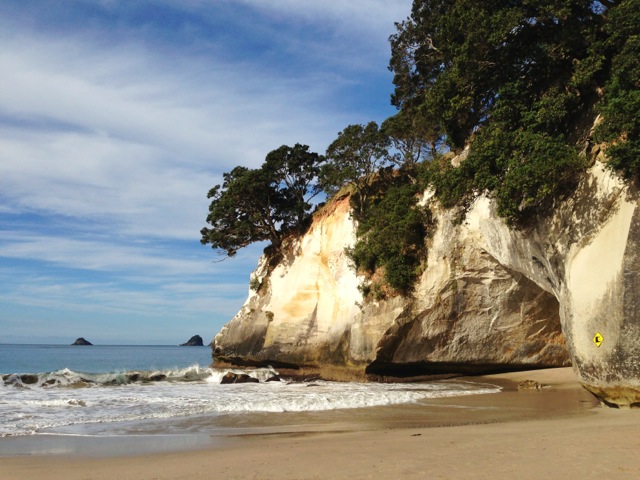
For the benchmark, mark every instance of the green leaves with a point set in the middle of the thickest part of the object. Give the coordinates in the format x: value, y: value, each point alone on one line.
x: 296, y: 169
x: 358, y: 153
x: 246, y: 208
x: 391, y: 232
x: 413, y: 138
x: 540, y: 169
x: 518, y: 80
x: 621, y: 105
x: 253, y: 205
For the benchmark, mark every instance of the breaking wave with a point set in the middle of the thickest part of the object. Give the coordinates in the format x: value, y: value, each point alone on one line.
x: 71, y: 379
x: 59, y: 401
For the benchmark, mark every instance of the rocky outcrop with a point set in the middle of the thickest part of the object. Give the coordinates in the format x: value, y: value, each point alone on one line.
x: 195, y: 341
x: 81, y: 341
x: 586, y: 255
x: 490, y: 298
x: 231, y: 377
x: 467, y: 315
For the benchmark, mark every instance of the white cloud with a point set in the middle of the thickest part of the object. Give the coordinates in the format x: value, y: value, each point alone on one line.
x: 145, y: 260
x: 363, y: 18
x: 150, y: 149
x: 160, y: 104
x: 110, y: 139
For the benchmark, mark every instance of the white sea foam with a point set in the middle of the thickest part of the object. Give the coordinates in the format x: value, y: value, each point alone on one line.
x: 69, y: 378
x: 111, y: 398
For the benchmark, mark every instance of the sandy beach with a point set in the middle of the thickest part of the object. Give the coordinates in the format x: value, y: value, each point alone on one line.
x: 552, y: 431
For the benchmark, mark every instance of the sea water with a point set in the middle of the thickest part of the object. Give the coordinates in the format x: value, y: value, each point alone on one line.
x: 15, y: 358
x: 113, y: 390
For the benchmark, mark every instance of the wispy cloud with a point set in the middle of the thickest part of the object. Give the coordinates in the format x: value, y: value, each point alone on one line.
x: 99, y: 255
x: 117, y: 117
x: 81, y: 144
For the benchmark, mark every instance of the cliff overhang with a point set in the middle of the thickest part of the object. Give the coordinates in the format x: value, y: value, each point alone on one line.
x: 491, y: 298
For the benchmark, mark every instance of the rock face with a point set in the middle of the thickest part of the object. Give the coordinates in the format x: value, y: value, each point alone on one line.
x: 195, y: 341
x: 491, y: 298
x: 81, y: 341
x: 231, y: 377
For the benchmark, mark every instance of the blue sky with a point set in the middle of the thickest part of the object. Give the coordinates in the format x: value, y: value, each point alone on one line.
x: 118, y: 116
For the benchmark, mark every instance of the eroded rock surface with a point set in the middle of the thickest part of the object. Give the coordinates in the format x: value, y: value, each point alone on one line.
x: 492, y: 298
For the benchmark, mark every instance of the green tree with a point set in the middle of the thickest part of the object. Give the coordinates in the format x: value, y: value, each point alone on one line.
x: 354, y: 158
x: 253, y: 205
x: 453, y: 59
x: 297, y: 169
x: 246, y: 208
x: 621, y: 105
x: 517, y: 79
x: 413, y: 138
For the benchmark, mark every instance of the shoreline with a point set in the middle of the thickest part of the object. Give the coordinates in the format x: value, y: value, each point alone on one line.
x: 531, y: 432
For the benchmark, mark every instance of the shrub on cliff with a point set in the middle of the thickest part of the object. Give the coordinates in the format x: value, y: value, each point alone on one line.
x: 391, y: 231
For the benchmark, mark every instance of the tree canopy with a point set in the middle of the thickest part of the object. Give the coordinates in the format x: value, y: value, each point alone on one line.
x: 297, y: 169
x: 253, y: 205
x: 358, y: 153
x: 621, y: 103
x: 521, y: 80
x: 454, y: 62
x: 413, y: 139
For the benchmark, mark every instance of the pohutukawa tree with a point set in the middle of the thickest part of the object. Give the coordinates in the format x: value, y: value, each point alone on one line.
x: 297, y: 169
x: 413, y: 137
x: 253, y: 205
x: 354, y: 158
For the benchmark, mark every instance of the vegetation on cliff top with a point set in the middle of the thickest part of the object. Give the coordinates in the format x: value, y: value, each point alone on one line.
x: 620, y: 104
x: 520, y: 81
x: 391, y: 233
x: 253, y: 205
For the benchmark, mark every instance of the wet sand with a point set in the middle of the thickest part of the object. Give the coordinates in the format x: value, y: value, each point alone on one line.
x: 550, y: 432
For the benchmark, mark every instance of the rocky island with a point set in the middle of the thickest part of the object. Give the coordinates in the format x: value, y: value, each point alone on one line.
x: 195, y: 341
x: 81, y: 341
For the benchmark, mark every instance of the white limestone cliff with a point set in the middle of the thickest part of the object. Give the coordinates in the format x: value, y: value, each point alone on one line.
x: 491, y: 297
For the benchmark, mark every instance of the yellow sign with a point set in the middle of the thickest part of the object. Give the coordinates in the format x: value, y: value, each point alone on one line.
x: 598, y: 339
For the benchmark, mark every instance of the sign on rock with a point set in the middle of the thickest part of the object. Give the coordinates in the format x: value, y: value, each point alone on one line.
x: 598, y: 339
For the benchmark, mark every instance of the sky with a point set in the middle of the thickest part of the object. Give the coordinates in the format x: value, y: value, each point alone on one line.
x: 118, y: 116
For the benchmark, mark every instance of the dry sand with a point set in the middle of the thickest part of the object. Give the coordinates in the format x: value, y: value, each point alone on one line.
x: 550, y: 433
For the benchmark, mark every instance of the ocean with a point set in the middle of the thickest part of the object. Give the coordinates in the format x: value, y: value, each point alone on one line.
x: 147, y: 390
